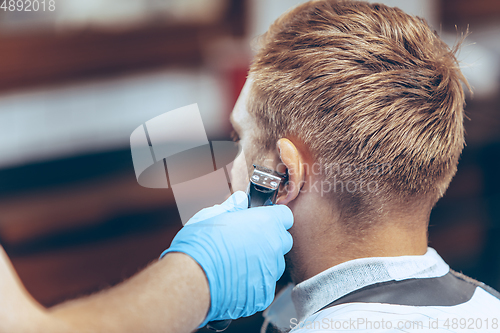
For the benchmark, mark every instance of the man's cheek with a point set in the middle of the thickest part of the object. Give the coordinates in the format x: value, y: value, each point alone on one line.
x: 239, y: 174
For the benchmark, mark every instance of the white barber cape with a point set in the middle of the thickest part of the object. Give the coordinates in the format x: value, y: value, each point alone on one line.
x: 386, y: 294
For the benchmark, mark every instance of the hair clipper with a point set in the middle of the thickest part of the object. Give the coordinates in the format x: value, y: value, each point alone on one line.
x: 264, y: 186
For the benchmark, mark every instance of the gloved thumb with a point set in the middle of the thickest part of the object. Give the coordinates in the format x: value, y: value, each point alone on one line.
x: 237, y: 201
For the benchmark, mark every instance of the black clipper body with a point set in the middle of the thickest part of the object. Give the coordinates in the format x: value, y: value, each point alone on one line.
x: 262, y: 190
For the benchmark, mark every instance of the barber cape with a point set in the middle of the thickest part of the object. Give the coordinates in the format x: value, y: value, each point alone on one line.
x: 386, y: 294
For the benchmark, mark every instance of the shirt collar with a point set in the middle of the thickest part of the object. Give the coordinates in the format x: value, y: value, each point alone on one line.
x: 317, y: 292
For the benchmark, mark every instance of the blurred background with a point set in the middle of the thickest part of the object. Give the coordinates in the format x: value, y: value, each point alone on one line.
x: 77, y: 80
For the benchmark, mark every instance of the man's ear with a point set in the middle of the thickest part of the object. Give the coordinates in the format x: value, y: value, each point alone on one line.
x: 293, y: 162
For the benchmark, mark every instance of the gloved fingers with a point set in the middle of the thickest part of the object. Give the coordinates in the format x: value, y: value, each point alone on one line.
x: 275, y: 220
x: 281, y: 267
x: 287, y: 240
x: 270, y: 292
x: 280, y: 213
x: 284, y: 215
x: 237, y: 201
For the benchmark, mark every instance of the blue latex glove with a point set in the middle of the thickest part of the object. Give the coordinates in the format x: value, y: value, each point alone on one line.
x: 241, y: 251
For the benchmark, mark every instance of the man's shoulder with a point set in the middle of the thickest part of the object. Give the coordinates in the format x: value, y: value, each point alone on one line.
x: 450, y: 289
x: 474, y: 282
x: 442, y: 304
x: 481, y: 314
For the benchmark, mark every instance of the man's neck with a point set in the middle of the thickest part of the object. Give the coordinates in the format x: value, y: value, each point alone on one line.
x: 321, y: 241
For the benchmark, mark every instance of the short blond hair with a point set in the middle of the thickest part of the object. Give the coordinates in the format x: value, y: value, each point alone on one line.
x: 363, y: 84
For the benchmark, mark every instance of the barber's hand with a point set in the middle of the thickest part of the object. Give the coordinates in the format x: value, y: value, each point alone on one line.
x: 241, y: 251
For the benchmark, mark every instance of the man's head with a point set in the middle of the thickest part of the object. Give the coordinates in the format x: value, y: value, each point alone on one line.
x: 372, y: 93
x: 370, y: 100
